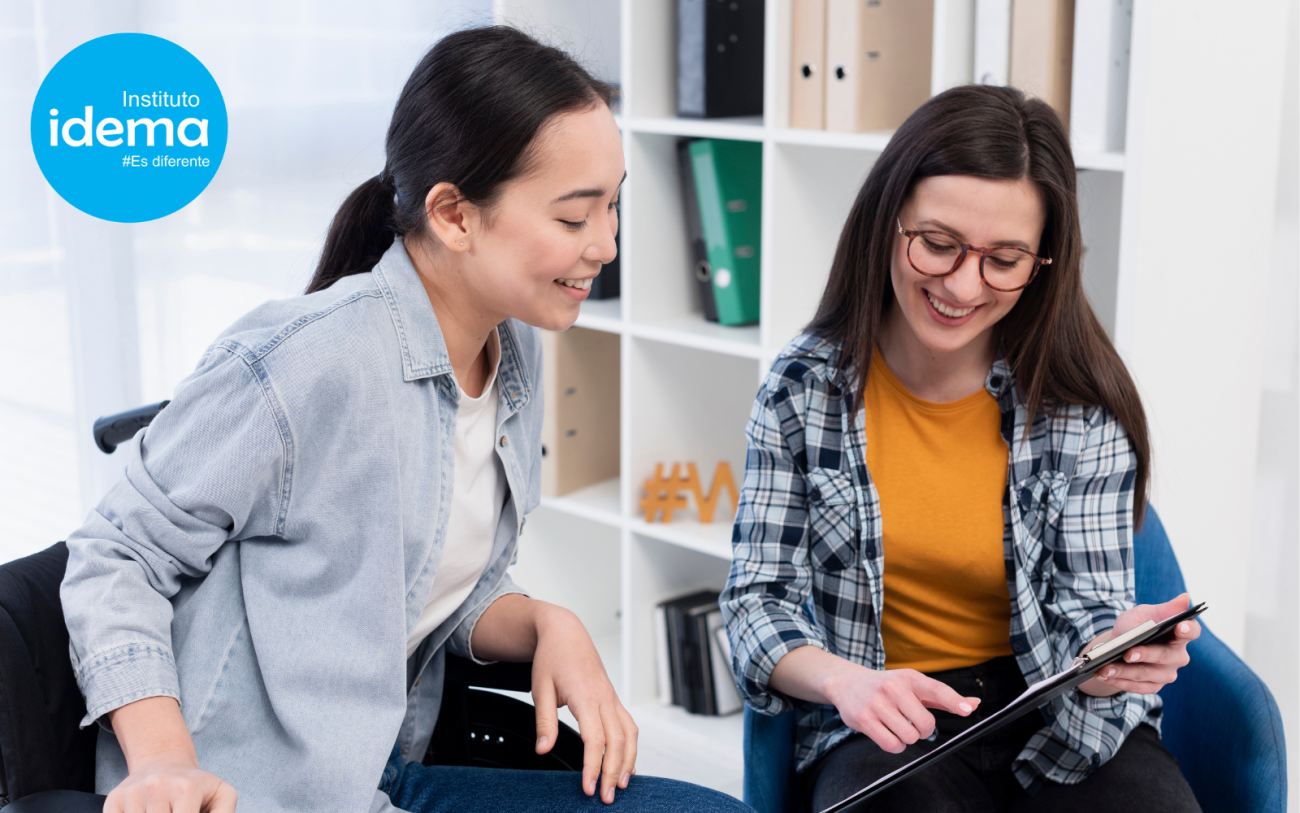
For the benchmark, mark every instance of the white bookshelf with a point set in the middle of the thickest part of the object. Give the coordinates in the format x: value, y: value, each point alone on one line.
x: 688, y: 385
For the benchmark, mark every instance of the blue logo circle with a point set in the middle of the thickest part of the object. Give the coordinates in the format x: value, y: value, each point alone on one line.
x: 129, y: 127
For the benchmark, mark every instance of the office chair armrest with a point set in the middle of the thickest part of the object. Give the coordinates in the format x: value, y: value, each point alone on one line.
x: 58, y: 801
x: 111, y: 430
x: 1219, y: 707
x: 769, y: 762
x: 510, y: 677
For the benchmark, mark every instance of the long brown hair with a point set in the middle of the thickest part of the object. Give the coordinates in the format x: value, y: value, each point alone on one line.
x: 1057, y: 348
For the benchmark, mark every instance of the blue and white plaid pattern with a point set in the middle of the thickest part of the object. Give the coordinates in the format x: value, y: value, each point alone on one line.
x: 808, y: 570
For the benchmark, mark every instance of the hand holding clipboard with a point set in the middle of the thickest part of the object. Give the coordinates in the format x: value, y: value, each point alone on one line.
x: 1081, y: 671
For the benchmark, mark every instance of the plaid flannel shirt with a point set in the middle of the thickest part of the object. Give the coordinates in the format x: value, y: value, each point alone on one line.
x: 808, y: 568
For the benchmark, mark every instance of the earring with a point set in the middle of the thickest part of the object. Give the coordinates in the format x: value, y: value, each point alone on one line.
x: 462, y: 242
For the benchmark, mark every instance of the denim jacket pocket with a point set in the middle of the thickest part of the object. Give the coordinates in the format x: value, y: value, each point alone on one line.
x: 832, y: 519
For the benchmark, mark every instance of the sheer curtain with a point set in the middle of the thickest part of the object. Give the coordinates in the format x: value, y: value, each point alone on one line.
x: 99, y: 317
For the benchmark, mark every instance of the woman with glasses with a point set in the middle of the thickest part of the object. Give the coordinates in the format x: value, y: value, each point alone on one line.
x: 944, y: 475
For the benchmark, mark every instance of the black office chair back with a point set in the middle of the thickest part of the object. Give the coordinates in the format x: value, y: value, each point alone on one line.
x: 42, y: 746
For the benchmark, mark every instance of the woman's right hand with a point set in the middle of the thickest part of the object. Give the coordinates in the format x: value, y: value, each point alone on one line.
x: 891, y: 706
x: 164, y: 770
x: 888, y: 706
x: 171, y: 784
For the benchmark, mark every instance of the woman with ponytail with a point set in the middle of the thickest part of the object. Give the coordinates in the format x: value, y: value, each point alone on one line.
x: 330, y: 503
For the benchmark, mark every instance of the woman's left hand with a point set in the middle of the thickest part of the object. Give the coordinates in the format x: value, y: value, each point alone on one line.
x: 1148, y: 668
x: 567, y: 671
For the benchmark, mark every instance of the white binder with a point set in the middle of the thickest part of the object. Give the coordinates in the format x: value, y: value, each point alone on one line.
x: 1099, y: 92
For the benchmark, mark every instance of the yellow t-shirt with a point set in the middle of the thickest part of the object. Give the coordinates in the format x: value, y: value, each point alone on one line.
x: 940, y: 470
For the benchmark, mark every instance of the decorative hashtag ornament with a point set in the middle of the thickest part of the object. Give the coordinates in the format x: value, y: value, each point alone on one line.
x: 663, y: 495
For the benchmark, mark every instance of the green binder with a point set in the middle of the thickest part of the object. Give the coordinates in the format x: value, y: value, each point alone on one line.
x: 728, y: 186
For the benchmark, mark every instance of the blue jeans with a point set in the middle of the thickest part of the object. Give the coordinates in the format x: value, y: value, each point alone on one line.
x: 447, y: 789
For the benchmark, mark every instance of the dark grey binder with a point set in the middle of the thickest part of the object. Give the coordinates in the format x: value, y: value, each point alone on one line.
x: 719, y: 58
x: 700, y: 268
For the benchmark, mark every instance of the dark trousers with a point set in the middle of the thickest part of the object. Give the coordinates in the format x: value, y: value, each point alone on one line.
x: 1141, y: 776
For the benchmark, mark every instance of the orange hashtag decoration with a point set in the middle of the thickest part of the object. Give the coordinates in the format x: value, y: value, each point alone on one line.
x: 663, y: 494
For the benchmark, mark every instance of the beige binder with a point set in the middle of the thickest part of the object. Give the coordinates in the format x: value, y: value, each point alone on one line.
x: 878, y: 55
x: 1042, y: 51
x: 580, y: 425
x: 808, y: 65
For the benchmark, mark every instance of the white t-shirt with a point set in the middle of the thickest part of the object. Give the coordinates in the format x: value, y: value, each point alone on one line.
x: 477, y: 497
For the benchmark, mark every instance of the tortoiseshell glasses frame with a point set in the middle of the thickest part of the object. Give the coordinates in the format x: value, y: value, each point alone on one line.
x: 966, y: 248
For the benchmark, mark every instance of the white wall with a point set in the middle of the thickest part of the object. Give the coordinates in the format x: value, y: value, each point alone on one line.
x: 1201, y: 191
x: 586, y: 29
x: 98, y: 317
x: 1207, y: 314
x: 1272, y: 637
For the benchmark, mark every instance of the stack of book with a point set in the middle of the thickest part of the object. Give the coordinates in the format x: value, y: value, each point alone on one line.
x: 694, y: 655
x: 722, y: 185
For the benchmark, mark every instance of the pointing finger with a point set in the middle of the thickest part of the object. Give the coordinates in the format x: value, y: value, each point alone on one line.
x: 936, y: 695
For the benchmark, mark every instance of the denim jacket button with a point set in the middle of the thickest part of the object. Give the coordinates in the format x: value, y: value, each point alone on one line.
x: 503, y: 440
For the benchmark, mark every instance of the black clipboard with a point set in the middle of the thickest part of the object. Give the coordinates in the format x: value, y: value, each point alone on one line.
x: 1035, y: 696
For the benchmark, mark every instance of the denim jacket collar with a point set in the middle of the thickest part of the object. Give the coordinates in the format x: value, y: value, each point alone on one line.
x: 424, y: 351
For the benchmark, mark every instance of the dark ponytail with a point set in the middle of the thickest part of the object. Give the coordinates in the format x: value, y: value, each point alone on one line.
x: 467, y: 116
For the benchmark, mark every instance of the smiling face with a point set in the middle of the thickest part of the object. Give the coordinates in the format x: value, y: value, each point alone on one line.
x: 948, y: 314
x: 540, y: 246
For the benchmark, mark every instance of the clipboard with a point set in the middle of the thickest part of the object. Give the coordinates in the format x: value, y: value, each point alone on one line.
x: 1031, y: 699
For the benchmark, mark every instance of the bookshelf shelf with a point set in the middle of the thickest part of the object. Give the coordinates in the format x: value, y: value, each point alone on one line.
x: 753, y: 129
x: 874, y: 142
x: 604, y: 315
x: 598, y: 503
x: 713, y: 538
x: 1109, y: 161
x: 747, y: 128
x: 687, y: 385
x: 694, y: 331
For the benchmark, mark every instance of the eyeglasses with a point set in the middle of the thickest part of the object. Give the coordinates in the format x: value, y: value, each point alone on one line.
x: 1002, y: 268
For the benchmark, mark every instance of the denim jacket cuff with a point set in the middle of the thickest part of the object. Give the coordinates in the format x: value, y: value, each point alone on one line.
x: 125, y: 674
x: 460, y: 641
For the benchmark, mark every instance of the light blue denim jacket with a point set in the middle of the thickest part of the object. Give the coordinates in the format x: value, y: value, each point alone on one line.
x: 275, y: 536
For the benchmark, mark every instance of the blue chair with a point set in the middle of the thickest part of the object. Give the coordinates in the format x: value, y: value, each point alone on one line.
x: 1220, y: 720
